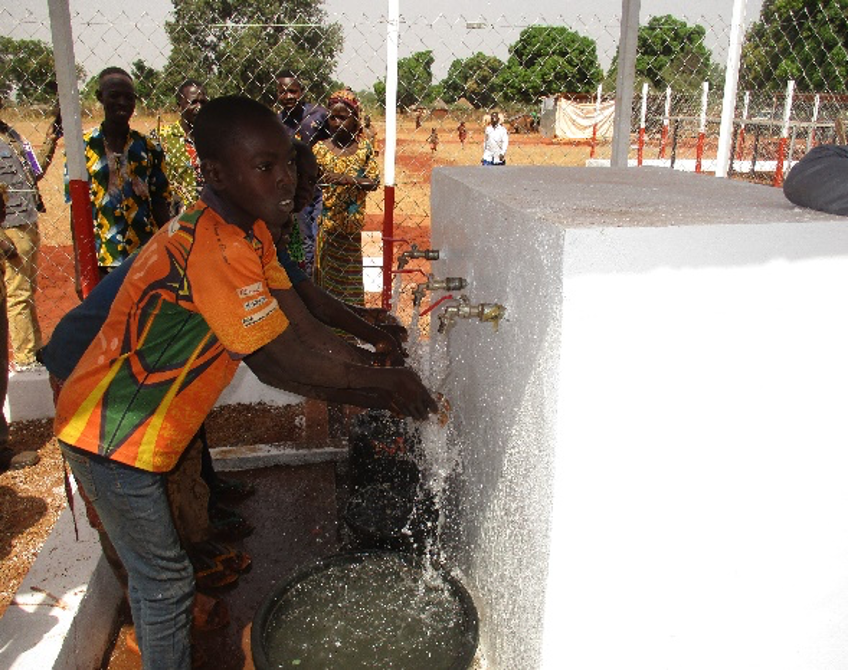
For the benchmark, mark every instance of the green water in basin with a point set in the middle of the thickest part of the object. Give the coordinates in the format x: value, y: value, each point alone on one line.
x: 380, y: 611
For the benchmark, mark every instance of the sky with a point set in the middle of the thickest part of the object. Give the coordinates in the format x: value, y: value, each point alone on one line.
x: 121, y: 31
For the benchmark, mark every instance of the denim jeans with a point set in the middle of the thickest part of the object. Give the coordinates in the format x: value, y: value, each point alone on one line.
x: 308, y: 226
x: 133, y: 507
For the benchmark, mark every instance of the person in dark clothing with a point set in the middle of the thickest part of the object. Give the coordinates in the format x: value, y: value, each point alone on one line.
x: 818, y: 181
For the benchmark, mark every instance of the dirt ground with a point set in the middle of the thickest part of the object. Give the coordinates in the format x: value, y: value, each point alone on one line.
x: 31, y: 499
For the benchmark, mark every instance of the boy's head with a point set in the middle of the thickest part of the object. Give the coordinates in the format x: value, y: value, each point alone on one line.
x: 117, y: 93
x: 290, y: 90
x: 248, y: 160
x: 191, y: 96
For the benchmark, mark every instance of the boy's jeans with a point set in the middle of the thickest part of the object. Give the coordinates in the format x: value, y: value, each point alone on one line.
x: 133, y: 507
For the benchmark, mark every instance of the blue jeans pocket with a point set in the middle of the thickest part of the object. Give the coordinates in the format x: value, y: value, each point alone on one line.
x: 80, y: 465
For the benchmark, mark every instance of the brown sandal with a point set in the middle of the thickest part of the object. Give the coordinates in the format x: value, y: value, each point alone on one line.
x: 209, y: 573
x: 225, y: 555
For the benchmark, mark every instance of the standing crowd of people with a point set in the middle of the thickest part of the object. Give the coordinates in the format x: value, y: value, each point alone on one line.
x: 139, y: 182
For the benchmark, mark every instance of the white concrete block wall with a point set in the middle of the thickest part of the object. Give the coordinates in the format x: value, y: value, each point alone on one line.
x: 29, y: 396
x: 653, y: 443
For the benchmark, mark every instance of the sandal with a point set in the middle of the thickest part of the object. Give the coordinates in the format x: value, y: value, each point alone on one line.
x: 209, y: 573
x: 209, y: 614
x: 9, y: 460
x: 198, y: 657
x: 228, y: 524
x: 231, y: 489
x: 225, y: 555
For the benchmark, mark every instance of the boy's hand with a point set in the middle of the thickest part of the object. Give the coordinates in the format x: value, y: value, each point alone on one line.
x: 409, y: 396
x: 388, y: 351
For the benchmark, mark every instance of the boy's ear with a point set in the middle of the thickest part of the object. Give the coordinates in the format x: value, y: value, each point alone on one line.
x: 212, y: 174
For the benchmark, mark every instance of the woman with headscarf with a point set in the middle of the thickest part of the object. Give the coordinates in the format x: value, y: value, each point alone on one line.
x: 347, y: 171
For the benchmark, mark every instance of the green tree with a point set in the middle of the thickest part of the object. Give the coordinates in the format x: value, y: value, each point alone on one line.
x: 803, y: 40
x: 472, y: 78
x: 27, y: 73
x: 670, y: 52
x: 546, y: 60
x: 147, y: 82
x: 415, y: 78
x: 240, y: 47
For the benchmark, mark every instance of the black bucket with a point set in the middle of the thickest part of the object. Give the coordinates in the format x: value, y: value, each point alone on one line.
x: 384, y: 450
x: 383, y: 517
x: 389, y: 506
x: 366, y: 610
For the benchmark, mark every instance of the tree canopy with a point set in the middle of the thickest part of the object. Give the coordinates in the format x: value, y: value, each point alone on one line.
x: 547, y: 60
x: 472, y: 78
x: 415, y: 78
x: 240, y: 47
x: 670, y: 52
x: 27, y: 72
x: 803, y: 40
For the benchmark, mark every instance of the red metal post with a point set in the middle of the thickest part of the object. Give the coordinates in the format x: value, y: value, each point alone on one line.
x: 778, y: 178
x: 664, y: 136
x: 83, y: 230
x: 640, y: 144
x: 700, y: 150
x: 388, y: 231
x: 592, y: 143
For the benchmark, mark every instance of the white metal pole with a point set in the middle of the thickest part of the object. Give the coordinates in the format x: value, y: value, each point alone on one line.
x: 703, y: 113
x: 625, y: 70
x: 66, y: 79
x: 814, y: 118
x: 729, y: 97
x: 392, y: 30
x: 788, y: 108
x: 82, y: 223
x: 393, y: 22
x: 644, y: 95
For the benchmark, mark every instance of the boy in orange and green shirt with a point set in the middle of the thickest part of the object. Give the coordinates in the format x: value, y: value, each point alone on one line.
x: 205, y: 292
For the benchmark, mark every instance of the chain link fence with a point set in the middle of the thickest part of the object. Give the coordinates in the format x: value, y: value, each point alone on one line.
x: 551, y: 79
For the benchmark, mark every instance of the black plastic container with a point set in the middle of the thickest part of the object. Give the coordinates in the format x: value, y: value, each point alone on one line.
x: 389, y: 506
x: 384, y: 450
x: 312, y: 621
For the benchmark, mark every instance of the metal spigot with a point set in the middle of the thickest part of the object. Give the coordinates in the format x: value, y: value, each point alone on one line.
x: 462, y: 308
x: 415, y: 252
x: 432, y: 284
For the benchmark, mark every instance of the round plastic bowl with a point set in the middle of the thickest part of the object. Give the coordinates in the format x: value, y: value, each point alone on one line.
x: 376, y: 609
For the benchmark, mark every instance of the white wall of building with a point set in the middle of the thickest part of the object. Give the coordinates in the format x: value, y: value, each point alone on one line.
x: 653, y: 443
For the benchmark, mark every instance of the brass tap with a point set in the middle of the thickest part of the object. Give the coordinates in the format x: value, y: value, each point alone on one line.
x: 415, y: 252
x: 433, y: 284
x: 462, y: 308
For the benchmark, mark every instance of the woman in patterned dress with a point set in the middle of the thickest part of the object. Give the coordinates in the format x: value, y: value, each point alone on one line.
x: 348, y: 170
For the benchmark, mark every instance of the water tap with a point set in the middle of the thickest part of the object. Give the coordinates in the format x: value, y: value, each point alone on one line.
x: 415, y: 252
x: 432, y: 284
x: 462, y: 308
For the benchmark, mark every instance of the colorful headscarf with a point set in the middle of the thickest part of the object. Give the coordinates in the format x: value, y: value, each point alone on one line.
x: 346, y: 97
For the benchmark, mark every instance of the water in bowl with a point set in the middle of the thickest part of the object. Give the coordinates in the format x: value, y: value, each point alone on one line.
x: 379, y: 612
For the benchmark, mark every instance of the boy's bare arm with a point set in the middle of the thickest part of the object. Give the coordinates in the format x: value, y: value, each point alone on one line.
x: 310, y: 359
x: 334, y: 313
